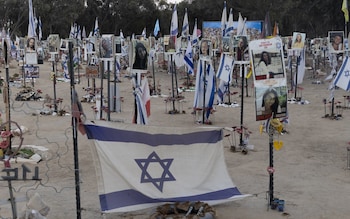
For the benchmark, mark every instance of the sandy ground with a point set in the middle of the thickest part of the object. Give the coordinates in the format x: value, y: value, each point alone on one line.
x: 311, y: 172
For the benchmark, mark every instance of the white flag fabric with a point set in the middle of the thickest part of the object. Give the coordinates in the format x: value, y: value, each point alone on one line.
x: 188, y: 58
x: 40, y: 29
x: 225, y: 67
x: 241, y: 29
x: 229, y: 28
x: 143, y: 166
x: 194, y: 35
x: 224, y: 20
x: 342, y: 79
x: 96, y: 29
x: 301, y: 67
x: 144, y: 33
x: 142, y: 99
x: 174, y: 29
x: 185, y: 26
x: 205, y: 86
x: 222, y: 90
x: 31, y: 25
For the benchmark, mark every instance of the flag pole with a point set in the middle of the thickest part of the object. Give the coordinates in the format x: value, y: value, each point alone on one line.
x: 75, y: 131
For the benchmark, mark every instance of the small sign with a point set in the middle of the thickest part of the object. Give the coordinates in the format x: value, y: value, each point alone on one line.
x: 92, y: 71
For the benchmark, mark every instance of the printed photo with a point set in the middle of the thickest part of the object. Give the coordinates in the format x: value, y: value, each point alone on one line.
x: 140, y: 54
x: 205, y: 49
x: 298, y: 40
x: 336, y: 41
x: 271, y: 102
x: 107, y: 42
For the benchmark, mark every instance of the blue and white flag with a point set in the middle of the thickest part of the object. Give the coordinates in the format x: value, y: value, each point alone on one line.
x: 241, y: 26
x: 342, y: 79
x: 31, y: 25
x: 205, y: 85
x: 96, y: 32
x: 174, y: 27
x: 224, y: 20
x: 156, y: 28
x: 141, y: 167
x: 185, y: 26
x: 229, y: 27
x: 188, y: 58
x: 225, y: 67
x: 40, y: 25
x: 222, y: 90
x: 194, y: 35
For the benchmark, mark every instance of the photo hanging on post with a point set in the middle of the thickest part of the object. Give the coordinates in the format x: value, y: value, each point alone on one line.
x: 205, y: 49
x: 31, y: 44
x: 54, y: 42
x: 298, y: 40
x: 139, y: 56
x: 336, y: 41
x: 270, y: 82
x: 107, y: 48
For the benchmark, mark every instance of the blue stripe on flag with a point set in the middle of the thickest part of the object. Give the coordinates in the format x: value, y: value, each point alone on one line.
x: 109, y: 134
x: 132, y: 197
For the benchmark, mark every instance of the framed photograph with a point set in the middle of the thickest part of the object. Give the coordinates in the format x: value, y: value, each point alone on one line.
x: 298, y: 40
x: 107, y: 48
x: 31, y: 44
x: 336, y: 41
x: 226, y: 45
x: 31, y: 71
x: 205, y: 49
x: 140, y: 53
x: 53, y: 42
x: 64, y: 45
x: 184, y: 43
x: 240, y: 46
x: 267, y: 59
x: 271, y: 101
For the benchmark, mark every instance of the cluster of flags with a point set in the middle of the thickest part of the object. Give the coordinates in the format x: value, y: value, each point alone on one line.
x: 34, y: 23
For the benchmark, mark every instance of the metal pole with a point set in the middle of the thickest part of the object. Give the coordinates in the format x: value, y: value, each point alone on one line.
x: 101, y: 89
x: 172, y: 81
x: 242, y: 102
x: 204, y: 91
x: 296, y: 77
x: 75, y: 132
x: 108, y: 91
x: 154, y: 78
x: 271, y: 130
x: 54, y: 81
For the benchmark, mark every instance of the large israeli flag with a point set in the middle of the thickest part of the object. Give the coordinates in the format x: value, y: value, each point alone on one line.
x: 143, y: 166
x: 342, y: 79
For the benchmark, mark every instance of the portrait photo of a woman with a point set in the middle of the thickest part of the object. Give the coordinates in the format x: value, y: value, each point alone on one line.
x: 30, y: 44
x: 140, y: 55
x: 271, y: 102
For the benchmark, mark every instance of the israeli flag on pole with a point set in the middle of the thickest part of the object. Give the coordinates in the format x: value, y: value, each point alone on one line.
x: 188, y: 58
x: 224, y: 20
x: 195, y: 36
x: 31, y: 25
x: 185, y: 26
x: 342, y: 79
x: 156, y: 28
x: 174, y: 23
x: 225, y: 67
x: 229, y: 28
x: 145, y: 166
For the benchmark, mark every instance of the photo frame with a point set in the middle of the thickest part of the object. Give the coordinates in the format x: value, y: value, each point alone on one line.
x: 336, y: 41
x: 118, y: 45
x: 31, y: 58
x: 139, y: 57
x: 64, y: 45
x: 53, y: 42
x: 267, y: 58
x: 31, y: 71
x: 205, y: 49
x: 298, y: 40
x: 106, y: 46
x: 31, y: 44
x: 271, y: 101
x: 226, y: 45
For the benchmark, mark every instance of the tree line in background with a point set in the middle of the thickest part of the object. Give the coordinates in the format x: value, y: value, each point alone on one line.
x: 313, y: 17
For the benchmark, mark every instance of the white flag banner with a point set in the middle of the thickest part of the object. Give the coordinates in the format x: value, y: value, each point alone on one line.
x: 342, y: 79
x: 225, y: 67
x: 141, y: 167
x: 301, y: 67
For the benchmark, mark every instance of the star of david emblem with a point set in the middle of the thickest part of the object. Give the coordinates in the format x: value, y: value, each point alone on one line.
x: 347, y: 73
x: 227, y: 68
x: 149, y: 177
